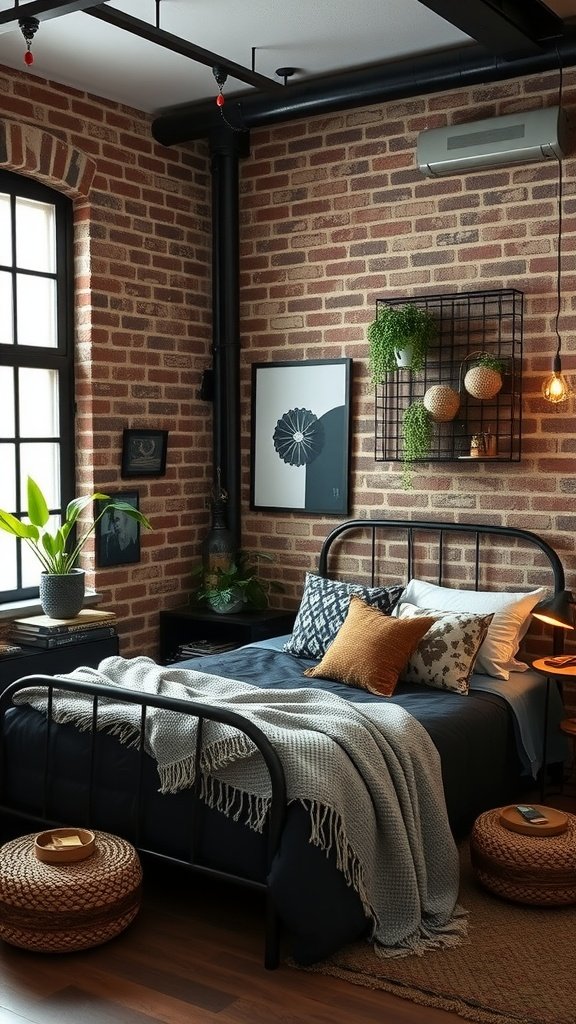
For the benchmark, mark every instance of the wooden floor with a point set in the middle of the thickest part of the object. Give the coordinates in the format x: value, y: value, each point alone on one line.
x: 192, y: 956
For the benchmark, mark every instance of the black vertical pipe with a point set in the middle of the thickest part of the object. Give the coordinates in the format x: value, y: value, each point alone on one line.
x: 226, y: 147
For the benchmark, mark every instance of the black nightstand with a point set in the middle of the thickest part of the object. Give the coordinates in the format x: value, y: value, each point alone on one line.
x: 185, y: 624
x: 36, y: 661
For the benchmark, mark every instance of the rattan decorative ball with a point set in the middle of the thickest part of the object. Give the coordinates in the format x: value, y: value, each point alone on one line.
x: 483, y: 382
x: 442, y: 402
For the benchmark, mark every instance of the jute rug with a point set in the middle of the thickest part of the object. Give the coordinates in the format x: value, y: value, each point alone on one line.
x: 517, y: 967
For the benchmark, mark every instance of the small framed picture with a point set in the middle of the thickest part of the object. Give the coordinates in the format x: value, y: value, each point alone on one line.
x: 144, y: 452
x: 117, y: 535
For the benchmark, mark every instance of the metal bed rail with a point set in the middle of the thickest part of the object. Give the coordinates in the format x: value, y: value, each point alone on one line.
x: 203, y: 712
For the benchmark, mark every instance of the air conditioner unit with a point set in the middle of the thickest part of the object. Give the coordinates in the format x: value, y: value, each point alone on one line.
x: 497, y: 141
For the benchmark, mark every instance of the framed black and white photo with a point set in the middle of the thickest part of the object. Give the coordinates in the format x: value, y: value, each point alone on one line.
x: 117, y: 534
x: 300, y: 436
x: 144, y: 452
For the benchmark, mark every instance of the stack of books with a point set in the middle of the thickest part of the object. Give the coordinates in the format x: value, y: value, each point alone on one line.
x: 42, y: 631
x: 202, y: 648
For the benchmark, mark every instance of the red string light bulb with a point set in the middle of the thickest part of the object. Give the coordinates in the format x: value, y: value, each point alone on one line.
x: 28, y: 28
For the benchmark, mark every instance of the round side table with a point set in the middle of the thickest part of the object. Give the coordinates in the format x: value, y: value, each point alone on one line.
x: 558, y: 675
x: 568, y: 726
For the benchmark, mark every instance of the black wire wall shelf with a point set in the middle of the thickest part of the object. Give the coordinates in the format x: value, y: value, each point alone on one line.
x: 468, y: 323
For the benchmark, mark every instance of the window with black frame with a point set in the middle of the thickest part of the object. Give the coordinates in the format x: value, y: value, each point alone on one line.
x: 36, y: 363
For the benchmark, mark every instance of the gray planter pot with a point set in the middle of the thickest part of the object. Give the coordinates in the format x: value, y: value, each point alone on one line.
x: 62, y: 596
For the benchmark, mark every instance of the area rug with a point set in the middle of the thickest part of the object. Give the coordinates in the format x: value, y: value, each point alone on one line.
x: 518, y: 965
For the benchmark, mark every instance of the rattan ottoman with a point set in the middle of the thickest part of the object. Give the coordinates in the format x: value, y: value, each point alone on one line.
x: 57, y: 908
x: 538, y: 869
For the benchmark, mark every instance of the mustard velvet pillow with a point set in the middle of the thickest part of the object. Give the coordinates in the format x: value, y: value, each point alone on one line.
x: 370, y: 649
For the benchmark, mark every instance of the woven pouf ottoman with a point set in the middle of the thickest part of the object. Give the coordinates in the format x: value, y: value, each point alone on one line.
x: 525, y: 868
x: 57, y: 908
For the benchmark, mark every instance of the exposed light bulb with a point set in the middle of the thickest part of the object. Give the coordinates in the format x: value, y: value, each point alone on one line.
x: 556, y: 387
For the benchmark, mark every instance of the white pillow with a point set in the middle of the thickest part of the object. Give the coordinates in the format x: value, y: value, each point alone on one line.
x: 510, y: 613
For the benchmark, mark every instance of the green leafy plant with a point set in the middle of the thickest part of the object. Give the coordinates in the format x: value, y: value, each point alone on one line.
x: 56, y: 550
x: 489, y: 362
x: 396, y: 328
x: 219, y: 588
x: 417, y: 433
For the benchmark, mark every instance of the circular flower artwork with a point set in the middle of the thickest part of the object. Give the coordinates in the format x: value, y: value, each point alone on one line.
x: 298, y: 437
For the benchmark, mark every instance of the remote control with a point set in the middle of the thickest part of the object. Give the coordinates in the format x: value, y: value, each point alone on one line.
x: 531, y: 814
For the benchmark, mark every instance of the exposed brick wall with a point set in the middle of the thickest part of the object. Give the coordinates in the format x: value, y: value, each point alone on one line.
x: 142, y: 238
x: 335, y: 214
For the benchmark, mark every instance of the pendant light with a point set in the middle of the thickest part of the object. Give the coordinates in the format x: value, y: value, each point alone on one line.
x: 556, y: 388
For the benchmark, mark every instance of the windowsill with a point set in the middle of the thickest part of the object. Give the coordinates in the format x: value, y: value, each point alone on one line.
x: 19, y: 609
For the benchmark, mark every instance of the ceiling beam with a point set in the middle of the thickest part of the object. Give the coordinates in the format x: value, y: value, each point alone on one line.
x: 142, y: 29
x: 507, y: 28
x: 43, y: 10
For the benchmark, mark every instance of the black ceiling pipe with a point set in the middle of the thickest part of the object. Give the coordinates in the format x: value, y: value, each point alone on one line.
x: 226, y: 148
x: 433, y: 72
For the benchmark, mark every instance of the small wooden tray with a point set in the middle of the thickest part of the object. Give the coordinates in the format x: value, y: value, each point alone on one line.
x: 46, y: 851
x: 556, y: 824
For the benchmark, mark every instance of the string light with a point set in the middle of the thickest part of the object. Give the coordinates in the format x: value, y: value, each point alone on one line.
x: 28, y: 28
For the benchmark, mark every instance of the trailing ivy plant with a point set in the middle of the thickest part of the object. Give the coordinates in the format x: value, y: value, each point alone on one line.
x: 417, y: 432
x: 396, y: 328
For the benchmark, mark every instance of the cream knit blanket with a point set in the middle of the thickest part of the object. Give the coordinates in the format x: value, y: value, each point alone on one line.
x: 368, y: 774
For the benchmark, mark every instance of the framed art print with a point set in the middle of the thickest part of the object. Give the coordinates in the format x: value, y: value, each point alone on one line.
x: 144, y: 452
x: 300, y: 436
x: 117, y: 535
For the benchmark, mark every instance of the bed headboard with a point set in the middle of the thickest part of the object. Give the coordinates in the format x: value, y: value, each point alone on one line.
x: 469, y: 555
x: 462, y: 554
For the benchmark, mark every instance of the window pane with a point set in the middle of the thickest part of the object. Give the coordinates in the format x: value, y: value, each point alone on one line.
x: 42, y: 463
x: 6, y: 316
x: 38, y: 403
x: 7, y: 425
x: 36, y: 311
x: 5, y: 233
x: 35, y: 238
x: 8, y: 477
x: 8, y: 578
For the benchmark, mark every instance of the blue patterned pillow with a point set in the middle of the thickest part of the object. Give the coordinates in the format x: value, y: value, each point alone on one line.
x: 323, y: 609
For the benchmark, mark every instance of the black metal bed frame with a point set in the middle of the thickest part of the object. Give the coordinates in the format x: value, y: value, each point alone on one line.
x: 373, y: 529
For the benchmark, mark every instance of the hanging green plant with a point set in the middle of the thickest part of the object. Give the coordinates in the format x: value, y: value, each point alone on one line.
x: 417, y: 433
x: 399, y: 336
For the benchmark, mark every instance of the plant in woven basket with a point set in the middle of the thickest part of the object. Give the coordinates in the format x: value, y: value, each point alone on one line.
x: 404, y: 329
x: 417, y: 432
x: 484, y: 378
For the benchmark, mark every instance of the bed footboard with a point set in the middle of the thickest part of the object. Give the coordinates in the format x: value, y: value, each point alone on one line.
x: 134, y: 830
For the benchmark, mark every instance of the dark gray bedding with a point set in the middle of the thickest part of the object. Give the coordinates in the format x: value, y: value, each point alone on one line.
x: 474, y: 735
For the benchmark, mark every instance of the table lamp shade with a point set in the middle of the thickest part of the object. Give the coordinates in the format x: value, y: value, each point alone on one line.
x: 557, y: 610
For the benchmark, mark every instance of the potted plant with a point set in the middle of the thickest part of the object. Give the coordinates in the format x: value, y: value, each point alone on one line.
x: 417, y: 431
x: 399, y: 336
x: 229, y: 589
x: 58, y: 549
x: 484, y: 378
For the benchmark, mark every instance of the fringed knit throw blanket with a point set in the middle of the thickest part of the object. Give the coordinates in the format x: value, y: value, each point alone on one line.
x: 368, y: 774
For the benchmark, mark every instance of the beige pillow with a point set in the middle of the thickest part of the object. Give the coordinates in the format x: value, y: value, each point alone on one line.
x: 370, y: 649
x: 444, y: 658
